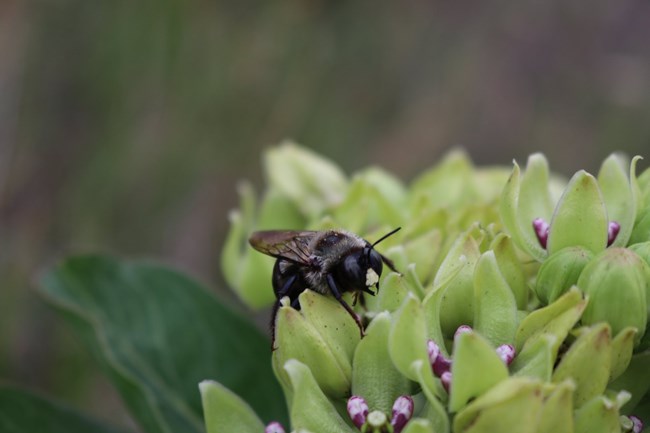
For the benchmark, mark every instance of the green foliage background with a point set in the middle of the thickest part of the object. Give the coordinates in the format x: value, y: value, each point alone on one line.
x: 125, y: 126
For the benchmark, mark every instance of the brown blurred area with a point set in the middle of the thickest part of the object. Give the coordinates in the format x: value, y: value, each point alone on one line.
x: 125, y: 126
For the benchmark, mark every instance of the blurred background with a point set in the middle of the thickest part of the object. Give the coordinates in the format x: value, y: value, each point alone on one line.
x: 125, y: 126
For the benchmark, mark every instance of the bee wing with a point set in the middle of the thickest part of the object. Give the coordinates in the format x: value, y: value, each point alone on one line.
x: 290, y: 245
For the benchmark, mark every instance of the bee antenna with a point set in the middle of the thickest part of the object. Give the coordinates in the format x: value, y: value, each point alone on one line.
x: 385, y: 236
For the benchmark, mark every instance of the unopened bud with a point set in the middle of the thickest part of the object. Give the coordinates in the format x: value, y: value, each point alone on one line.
x: 541, y: 228
x: 560, y: 271
x: 358, y: 410
x: 506, y: 352
x: 615, y: 282
x: 274, y: 427
x: 377, y: 420
x: 612, y: 231
x: 445, y: 378
x: 463, y: 329
x: 637, y: 424
x: 439, y: 363
x: 402, y: 412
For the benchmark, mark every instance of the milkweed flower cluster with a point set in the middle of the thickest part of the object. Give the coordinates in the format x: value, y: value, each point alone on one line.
x: 521, y: 306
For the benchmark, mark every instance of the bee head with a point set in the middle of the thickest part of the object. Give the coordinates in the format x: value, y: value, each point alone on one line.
x: 360, y: 269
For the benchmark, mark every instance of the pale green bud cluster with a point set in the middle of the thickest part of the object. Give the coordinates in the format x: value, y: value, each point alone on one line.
x: 522, y: 303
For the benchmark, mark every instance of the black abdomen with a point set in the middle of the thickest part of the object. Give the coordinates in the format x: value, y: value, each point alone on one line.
x: 288, y: 280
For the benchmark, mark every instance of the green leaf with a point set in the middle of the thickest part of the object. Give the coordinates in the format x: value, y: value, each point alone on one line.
x: 24, y: 412
x: 225, y: 411
x: 157, y: 334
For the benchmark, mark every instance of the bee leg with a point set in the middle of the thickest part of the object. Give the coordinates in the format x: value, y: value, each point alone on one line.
x: 284, y: 291
x: 337, y: 294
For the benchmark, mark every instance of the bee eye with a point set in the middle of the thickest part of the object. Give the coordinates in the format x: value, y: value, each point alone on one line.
x: 375, y: 262
x: 352, y: 271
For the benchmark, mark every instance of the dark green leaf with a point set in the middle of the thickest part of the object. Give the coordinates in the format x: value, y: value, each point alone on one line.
x: 23, y: 412
x: 158, y: 334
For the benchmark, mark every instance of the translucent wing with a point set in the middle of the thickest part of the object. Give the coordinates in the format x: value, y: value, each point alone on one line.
x: 289, y: 245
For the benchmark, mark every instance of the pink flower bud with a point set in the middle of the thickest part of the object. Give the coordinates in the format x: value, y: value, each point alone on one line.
x: 358, y: 410
x: 439, y: 364
x: 637, y: 424
x: 274, y: 427
x: 462, y: 329
x: 445, y: 378
x: 506, y: 352
x: 402, y: 412
x: 541, y: 228
x: 612, y: 231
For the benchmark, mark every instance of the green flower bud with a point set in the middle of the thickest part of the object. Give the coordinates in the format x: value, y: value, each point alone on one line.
x: 310, y: 181
x: 511, y: 268
x: 560, y: 271
x: 322, y: 336
x: 223, y: 410
x: 378, y: 209
x: 447, y: 184
x: 457, y: 302
x: 588, y: 363
x: 475, y: 368
x: 418, y: 425
x: 616, y: 283
x: 512, y: 405
x: 536, y: 359
x: 525, y: 198
x: 635, y: 379
x: 641, y: 231
x: 374, y: 375
x: 310, y: 408
x: 423, y: 252
x: 495, y: 310
x: 555, y: 319
x: 557, y: 412
x: 435, y: 413
x: 620, y: 192
x: 643, y: 183
x: 600, y: 414
x: 622, y: 347
x: 246, y: 273
x: 277, y: 210
x: 408, y: 338
x: 431, y: 305
x: 394, y: 290
x: 580, y: 217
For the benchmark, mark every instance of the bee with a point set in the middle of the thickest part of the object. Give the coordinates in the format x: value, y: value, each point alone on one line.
x: 328, y: 261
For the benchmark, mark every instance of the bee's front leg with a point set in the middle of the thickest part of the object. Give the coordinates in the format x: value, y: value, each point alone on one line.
x: 337, y: 294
